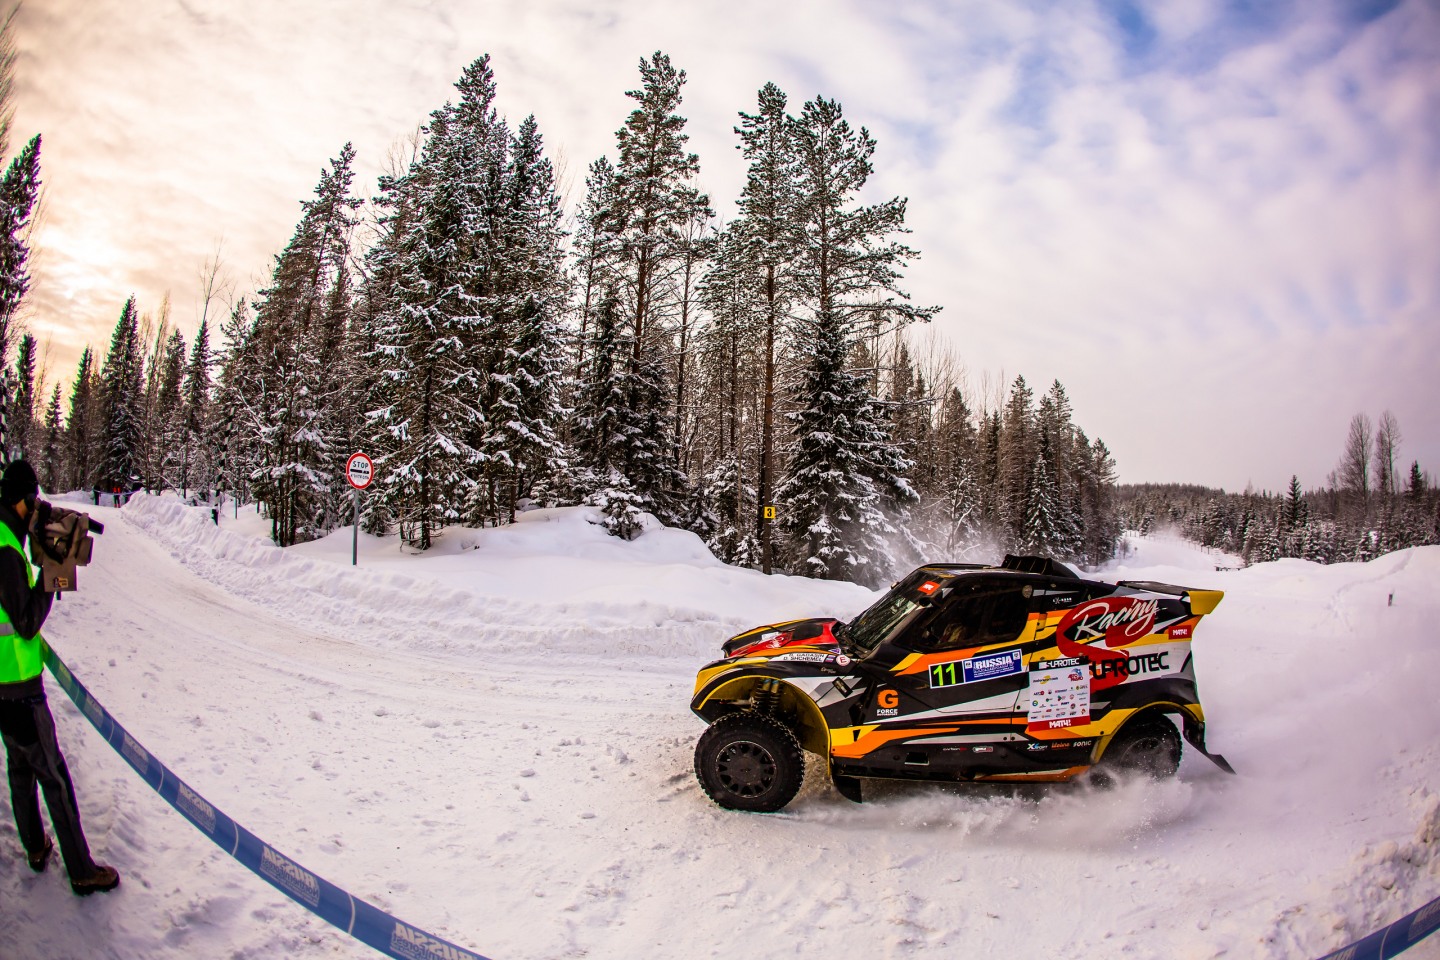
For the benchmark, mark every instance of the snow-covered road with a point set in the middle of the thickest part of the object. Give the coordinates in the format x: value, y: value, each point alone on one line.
x: 492, y: 742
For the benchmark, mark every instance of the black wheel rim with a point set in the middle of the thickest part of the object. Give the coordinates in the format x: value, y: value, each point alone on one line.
x: 1148, y: 753
x: 745, y: 768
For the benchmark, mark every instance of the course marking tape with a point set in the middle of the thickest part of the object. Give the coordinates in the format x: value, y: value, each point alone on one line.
x: 360, y: 919
x: 1394, y: 939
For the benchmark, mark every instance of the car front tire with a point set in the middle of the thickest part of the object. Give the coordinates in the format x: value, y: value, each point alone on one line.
x: 749, y: 761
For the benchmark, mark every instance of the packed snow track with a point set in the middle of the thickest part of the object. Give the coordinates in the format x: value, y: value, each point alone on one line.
x: 492, y: 742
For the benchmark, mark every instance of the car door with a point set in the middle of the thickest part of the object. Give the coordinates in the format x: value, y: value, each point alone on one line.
x: 969, y: 660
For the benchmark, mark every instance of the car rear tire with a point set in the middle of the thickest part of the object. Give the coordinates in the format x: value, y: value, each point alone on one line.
x: 748, y: 761
x: 1147, y: 747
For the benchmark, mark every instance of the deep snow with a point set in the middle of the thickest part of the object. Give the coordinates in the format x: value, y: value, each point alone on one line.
x: 493, y: 742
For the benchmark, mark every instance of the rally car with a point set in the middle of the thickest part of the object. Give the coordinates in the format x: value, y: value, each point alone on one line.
x: 962, y: 672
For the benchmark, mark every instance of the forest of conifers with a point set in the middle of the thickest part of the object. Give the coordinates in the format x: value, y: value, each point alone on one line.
x: 493, y: 351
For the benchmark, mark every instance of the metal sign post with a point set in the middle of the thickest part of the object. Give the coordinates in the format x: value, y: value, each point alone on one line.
x: 359, y: 471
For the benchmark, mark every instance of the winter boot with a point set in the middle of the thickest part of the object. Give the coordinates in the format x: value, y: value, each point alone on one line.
x: 38, y: 861
x: 104, y: 878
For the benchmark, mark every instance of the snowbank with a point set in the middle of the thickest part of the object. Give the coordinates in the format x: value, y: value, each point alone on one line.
x: 555, y: 581
x: 492, y: 741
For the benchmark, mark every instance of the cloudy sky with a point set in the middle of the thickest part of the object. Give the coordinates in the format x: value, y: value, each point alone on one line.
x: 1218, y: 224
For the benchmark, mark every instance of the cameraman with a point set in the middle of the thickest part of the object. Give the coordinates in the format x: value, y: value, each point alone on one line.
x: 32, y: 753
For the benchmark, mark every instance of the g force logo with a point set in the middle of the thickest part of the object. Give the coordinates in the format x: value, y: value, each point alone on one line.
x: 887, y: 703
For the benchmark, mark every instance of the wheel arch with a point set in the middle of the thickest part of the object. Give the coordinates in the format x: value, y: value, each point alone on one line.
x: 1183, y: 712
x: 776, y: 697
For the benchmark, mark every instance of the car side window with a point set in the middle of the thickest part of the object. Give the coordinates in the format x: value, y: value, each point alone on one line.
x: 979, y: 613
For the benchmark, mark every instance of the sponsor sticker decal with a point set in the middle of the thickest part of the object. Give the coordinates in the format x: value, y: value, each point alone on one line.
x: 1180, y: 633
x: 983, y: 749
x: 928, y: 587
x: 415, y: 945
x: 288, y: 874
x: 196, y: 808
x: 135, y: 753
x: 803, y: 656
x: 1059, y: 696
x: 1125, y: 667
x: 94, y: 711
x: 986, y: 667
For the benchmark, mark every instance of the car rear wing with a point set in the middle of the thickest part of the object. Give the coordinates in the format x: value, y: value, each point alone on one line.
x: 1201, y: 601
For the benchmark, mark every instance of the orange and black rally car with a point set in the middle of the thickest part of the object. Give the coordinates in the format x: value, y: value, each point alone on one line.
x: 1022, y: 672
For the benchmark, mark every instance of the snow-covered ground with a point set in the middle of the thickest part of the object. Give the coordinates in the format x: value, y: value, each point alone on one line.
x: 493, y: 742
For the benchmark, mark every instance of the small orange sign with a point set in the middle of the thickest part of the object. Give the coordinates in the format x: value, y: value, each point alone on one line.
x: 888, y: 700
x: 928, y: 587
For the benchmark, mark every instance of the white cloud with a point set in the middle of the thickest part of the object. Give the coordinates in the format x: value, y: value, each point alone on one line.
x: 1223, y: 248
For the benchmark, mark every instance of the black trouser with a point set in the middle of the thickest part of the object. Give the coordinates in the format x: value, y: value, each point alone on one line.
x: 32, y: 755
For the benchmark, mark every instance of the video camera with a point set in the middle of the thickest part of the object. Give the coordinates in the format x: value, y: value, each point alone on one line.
x: 59, y: 542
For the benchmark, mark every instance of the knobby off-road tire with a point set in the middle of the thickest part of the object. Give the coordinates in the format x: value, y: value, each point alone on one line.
x: 748, y: 761
x: 1148, y: 747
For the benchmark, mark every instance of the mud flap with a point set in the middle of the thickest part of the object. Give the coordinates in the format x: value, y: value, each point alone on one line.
x: 847, y: 787
x: 1195, y: 736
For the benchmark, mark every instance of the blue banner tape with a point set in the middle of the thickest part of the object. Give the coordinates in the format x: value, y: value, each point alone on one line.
x: 1394, y: 939
x: 361, y: 920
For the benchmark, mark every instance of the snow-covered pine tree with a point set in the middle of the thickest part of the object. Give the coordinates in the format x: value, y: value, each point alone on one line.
x: 21, y: 415
x: 429, y: 334
x: 520, y: 447
x: 1043, y: 534
x: 1018, y: 443
x: 732, y: 364
x: 197, y: 445
x: 1057, y: 437
x: 652, y: 202
x: 296, y: 472
x: 594, y: 247
x: 955, y: 452
x: 846, y: 479
x: 601, y: 401
x: 122, y: 399
x: 19, y: 189
x: 765, y: 242
x: 166, y: 422
x: 236, y: 416
x: 51, y: 466
x: 1100, y: 522
x: 82, y: 425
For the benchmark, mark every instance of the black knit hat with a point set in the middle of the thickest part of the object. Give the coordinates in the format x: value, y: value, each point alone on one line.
x: 20, y: 482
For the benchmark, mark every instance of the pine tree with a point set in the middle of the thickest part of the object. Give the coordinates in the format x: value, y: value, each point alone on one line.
x: 1043, y: 533
x: 429, y: 334
x: 652, y: 203
x: 765, y: 236
x: 522, y: 405
x: 196, y: 463
x: 52, y: 451
x: 18, y: 192
x: 295, y: 472
x: 81, y: 426
x: 122, y: 399
x: 846, y: 480
x: 1016, y: 459
x: 168, y: 416
x: 22, y: 410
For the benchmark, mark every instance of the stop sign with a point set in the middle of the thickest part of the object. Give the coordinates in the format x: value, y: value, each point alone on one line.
x: 359, y: 471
